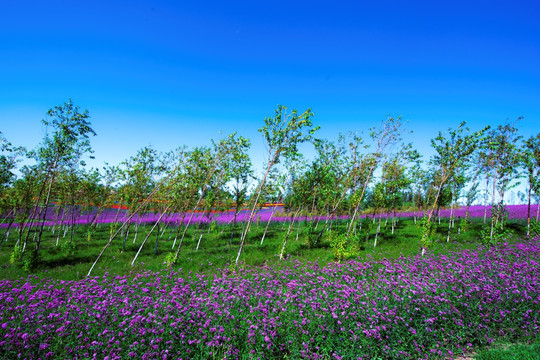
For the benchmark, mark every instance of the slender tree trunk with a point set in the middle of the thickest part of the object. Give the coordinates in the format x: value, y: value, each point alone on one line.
x: 378, y: 229
x: 147, y: 236
x: 529, y: 212
x: 287, y: 235
x: 451, y: 218
x: 244, y: 234
x: 47, y: 198
x: 178, y: 230
x: 30, y: 223
x: 233, y: 226
x: 268, y: 224
x: 6, y: 237
x: 125, y: 237
x: 157, y: 240
x: 430, y: 214
x: 357, y: 207
x: 199, y: 242
x: 492, y: 208
x: 486, y: 200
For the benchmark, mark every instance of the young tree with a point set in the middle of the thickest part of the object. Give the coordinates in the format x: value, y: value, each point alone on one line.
x: 506, y: 159
x: 282, y: 133
x: 66, y: 144
x: 344, y: 166
x: 452, y: 154
x: 139, y: 175
x: 395, y: 179
x: 240, y: 172
x: 388, y: 135
x: 8, y: 161
x: 8, y: 197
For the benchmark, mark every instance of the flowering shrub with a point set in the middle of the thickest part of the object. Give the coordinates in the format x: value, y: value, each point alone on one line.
x: 418, y: 307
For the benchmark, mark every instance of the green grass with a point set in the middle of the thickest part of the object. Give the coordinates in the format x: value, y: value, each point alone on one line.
x: 511, y: 352
x: 217, y: 250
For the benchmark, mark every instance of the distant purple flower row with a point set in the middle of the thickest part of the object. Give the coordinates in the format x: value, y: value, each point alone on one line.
x: 110, y: 215
x: 412, y: 308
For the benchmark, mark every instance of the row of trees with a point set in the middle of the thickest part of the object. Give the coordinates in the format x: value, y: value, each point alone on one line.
x: 378, y: 172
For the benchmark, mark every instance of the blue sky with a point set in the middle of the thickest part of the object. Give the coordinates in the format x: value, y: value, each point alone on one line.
x: 174, y: 73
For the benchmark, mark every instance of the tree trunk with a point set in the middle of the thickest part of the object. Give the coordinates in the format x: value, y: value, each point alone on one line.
x: 287, y: 235
x: 150, y: 233
x: 268, y: 224
x: 244, y: 234
x: 529, y: 212
x: 125, y: 237
x: 47, y: 198
x: 450, y: 220
x: 157, y: 239
x: 199, y: 242
x: 378, y: 229
x: 492, y: 208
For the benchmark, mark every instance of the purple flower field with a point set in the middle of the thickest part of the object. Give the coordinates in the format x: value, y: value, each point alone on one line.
x: 419, y: 307
x: 109, y: 216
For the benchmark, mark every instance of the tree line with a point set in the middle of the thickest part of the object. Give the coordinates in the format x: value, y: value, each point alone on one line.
x: 377, y: 172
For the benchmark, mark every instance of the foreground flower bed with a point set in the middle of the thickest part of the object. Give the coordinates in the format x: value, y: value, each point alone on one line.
x: 430, y: 307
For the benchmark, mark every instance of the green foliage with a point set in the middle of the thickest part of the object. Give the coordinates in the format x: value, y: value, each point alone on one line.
x: 531, y: 161
x: 170, y: 259
x: 311, y: 235
x: 367, y: 226
x: 285, y: 131
x: 68, y: 247
x: 15, y: 254
x: 464, y: 224
x: 428, y: 232
x: 500, y: 234
x: 30, y: 262
x: 338, y: 244
x: 113, y: 227
x: 535, y: 229
x: 8, y: 161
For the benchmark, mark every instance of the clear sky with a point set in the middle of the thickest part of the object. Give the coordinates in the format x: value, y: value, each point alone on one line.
x: 171, y: 73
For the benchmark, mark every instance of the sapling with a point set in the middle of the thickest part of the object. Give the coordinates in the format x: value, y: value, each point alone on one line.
x: 283, y: 133
x: 452, y: 153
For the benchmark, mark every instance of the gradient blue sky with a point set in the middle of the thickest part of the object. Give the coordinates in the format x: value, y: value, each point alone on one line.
x: 174, y: 73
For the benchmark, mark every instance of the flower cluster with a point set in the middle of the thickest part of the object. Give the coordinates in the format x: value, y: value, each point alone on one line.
x: 418, y: 307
